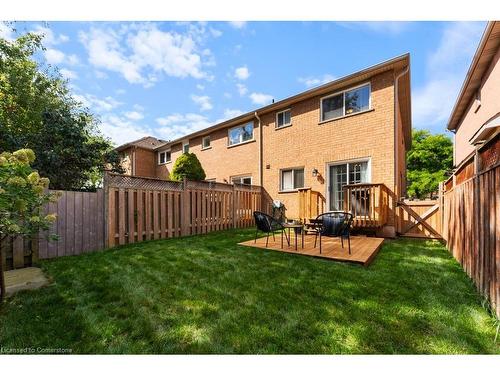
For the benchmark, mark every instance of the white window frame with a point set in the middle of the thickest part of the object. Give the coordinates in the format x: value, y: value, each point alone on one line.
x: 348, y: 161
x: 184, y: 144
x: 203, y: 140
x: 166, y: 161
x: 242, y: 177
x: 343, y: 102
x: 241, y: 142
x: 284, y: 125
x: 293, y: 169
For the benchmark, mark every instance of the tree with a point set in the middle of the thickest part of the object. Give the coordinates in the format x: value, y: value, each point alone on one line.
x: 187, y: 166
x: 38, y: 111
x: 430, y: 157
x: 22, y: 196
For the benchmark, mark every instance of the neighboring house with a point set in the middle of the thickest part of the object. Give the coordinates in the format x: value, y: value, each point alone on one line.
x: 139, y: 158
x: 355, y: 129
x: 475, y: 118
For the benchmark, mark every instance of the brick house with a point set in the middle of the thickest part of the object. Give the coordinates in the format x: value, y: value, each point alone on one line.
x: 475, y: 119
x: 354, y: 130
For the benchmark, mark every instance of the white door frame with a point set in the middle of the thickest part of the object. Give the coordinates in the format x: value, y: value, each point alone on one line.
x: 346, y: 161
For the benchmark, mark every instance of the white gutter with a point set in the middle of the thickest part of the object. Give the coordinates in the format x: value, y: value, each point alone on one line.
x: 396, y: 139
x: 260, y: 148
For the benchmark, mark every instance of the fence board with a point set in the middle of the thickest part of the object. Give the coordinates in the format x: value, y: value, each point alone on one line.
x: 472, y: 230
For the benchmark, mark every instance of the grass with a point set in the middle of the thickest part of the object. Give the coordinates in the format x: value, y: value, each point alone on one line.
x: 206, y: 294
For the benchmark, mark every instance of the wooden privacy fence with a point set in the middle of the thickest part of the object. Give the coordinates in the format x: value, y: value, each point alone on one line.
x: 134, y: 209
x: 141, y: 209
x: 80, y: 228
x: 471, y: 227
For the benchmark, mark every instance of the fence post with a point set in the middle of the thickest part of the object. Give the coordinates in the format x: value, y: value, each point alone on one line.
x: 105, y: 188
x: 235, y: 211
x: 185, y: 209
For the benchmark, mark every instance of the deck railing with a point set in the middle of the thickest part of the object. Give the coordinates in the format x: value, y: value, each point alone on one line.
x: 311, y: 204
x: 369, y: 204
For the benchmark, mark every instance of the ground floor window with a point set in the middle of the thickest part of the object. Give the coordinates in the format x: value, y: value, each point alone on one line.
x: 245, y: 180
x: 292, y: 179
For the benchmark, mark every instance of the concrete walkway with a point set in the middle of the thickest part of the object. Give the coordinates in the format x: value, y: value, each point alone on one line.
x: 24, y: 279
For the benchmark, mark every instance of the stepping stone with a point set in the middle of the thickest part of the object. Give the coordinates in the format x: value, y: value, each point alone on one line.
x: 24, y: 279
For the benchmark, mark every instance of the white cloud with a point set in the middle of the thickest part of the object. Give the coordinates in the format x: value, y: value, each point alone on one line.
x: 121, y: 130
x: 54, y: 56
x: 98, y: 104
x: 143, y: 52
x: 105, y: 52
x: 68, y: 74
x: 49, y: 37
x: 200, y: 87
x: 242, y: 89
x: 215, y: 33
x: 120, y: 91
x: 230, y: 113
x: 238, y: 24
x: 242, y: 73
x: 177, y: 125
x: 316, y: 81
x: 445, y: 72
x: 134, y: 115
x: 203, y: 102
x: 6, y: 32
x: 260, y: 99
x: 73, y: 59
x: 101, y: 75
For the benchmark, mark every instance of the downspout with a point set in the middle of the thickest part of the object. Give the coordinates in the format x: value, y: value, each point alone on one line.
x: 260, y: 149
x: 396, y: 138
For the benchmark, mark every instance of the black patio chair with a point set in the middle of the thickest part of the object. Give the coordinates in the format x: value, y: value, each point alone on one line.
x: 334, y: 224
x: 267, y: 224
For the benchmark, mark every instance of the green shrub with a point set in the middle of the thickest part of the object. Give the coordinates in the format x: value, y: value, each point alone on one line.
x: 187, y: 166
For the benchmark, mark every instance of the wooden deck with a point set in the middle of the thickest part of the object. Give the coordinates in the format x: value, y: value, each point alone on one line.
x: 363, y: 249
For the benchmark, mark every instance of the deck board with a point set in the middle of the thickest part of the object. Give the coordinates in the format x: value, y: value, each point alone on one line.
x: 363, y: 249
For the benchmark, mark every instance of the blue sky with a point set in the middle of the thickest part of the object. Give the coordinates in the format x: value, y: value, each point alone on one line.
x: 168, y: 79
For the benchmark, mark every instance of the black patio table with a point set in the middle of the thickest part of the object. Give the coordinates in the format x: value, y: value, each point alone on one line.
x: 296, y: 228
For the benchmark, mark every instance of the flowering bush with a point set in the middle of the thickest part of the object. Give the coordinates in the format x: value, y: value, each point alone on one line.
x: 22, y: 197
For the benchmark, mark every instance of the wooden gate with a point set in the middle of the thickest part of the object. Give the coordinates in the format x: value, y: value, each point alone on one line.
x: 422, y: 219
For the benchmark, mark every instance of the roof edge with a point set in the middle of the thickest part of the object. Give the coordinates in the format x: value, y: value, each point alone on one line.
x: 452, y: 123
x: 296, y: 97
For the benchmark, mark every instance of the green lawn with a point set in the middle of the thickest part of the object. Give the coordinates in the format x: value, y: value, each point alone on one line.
x: 206, y: 294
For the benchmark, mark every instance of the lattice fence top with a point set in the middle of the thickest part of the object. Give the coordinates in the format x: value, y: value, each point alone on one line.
x: 208, y: 185
x: 132, y: 182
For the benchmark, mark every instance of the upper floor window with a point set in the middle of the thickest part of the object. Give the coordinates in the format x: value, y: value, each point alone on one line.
x: 292, y: 179
x: 164, y: 157
x: 284, y: 118
x: 185, y: 147
x: 345, y: 103
x: 240, y: 134
x: 205, y: 142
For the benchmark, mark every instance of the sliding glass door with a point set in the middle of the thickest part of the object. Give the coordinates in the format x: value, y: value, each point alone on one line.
x: 341, y: 175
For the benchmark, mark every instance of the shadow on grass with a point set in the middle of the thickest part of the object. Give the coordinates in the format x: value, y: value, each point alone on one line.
x: 206, y: 294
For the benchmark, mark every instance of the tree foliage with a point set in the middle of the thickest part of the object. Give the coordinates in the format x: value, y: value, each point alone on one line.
x: 22, y: 196
x: 187, y: 166
x: 430, y: 157
x: 37, y: 111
